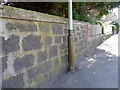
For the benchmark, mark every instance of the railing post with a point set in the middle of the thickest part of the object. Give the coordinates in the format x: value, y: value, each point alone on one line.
x: 1, y: 46
x: 70, y: 39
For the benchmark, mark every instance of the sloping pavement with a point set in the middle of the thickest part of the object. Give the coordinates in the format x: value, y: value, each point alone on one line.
x: 97, y: 69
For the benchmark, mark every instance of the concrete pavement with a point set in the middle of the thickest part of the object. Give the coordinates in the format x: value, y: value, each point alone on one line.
x: 96, y: 69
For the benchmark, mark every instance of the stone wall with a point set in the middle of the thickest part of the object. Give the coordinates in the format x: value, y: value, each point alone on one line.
x: 81, y: 42
x: 35, y: 47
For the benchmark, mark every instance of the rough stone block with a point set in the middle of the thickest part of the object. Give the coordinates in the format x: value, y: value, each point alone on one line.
x: 44, y: 27
x: 64, y: 60
x: 14, y: 82
x: 66, y: 51
x: 48, y: 40
x: 4, y: 63
x: 31, y: 43
x: 42, y: 56
x: 22, y: 26
x: 46, y: 76
x: 74, y: 28
x: 66, y: 31
x: 76, y: 50
x: 33, y: 72
x: 79, y: 33
x: 82, y: 27
x: 24, y: 62
x: 80, y: 37
x: 11, y: 44
x: 53, y: 51
x: 63, y: 46
x: 56, y: 63
x: 47, y: 66
x: 57, y: 29
x: 37, y: 81
x: 65, y: 38
x: 81, y: 43
x: 77, y: 28
x: 57, y: 39
x: 75, y: 39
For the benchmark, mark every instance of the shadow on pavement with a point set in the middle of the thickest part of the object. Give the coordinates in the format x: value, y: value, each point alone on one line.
x: 96, y: 69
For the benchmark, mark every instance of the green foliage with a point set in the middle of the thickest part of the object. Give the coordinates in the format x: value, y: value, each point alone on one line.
x: 83, y: 11
x: 92, y: 11
x: 115, y: 26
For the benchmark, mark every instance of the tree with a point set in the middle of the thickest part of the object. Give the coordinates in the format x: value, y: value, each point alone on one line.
x: 83, y: 11
x: 92, y: 11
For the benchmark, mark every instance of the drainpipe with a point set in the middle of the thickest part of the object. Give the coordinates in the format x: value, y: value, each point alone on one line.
x: 70, y: 39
